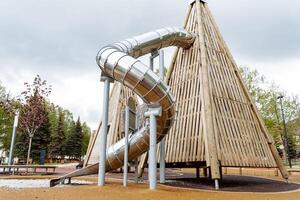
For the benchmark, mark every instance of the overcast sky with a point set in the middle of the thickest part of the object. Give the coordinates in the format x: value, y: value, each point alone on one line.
x: 59, y: 40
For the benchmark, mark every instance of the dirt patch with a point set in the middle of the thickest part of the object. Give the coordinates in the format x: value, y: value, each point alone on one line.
x: 114, y: 190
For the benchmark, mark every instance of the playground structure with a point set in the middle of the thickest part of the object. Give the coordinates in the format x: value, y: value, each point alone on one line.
x: 217, y: 123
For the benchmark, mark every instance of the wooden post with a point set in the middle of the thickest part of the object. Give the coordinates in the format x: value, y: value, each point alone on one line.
x: 276, y: 172
x: 221, y: 172
x: 205, y: 171
x: 142, y: 164
x: 225, y: 170
x: 170, y: 70
x: 211, y: 152
x: 240, y: 171
x: 197, y: 172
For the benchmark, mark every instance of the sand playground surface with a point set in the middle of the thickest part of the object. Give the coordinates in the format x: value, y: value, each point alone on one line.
x: 114, y: 189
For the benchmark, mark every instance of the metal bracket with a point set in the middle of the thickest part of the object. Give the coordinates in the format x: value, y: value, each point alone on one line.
x: 105, y: 77
x: 193, y: 1
x: 153, y: 110
x: 154, y: 54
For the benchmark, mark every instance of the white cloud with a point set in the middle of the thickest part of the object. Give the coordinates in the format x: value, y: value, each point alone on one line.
x: 81, y: 94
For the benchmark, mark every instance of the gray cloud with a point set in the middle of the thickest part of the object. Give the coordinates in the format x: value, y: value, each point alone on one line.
x: 60, y: 39
x: 260, y: 30
x: 69, y: 33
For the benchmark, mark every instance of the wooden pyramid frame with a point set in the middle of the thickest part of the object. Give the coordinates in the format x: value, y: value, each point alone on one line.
x: 217, y: 121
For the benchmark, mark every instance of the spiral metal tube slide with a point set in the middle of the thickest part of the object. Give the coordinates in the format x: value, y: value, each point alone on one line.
x: 119, y: 62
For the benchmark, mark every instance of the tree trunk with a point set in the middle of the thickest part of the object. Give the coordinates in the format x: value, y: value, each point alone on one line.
x: 29, y: 148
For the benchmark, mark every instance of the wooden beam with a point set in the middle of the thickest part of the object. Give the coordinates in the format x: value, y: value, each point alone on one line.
x: 170, y: 70
x: 211, y: 151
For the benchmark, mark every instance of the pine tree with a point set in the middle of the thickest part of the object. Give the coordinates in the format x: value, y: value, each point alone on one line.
x: 74, y: 144
x: 21, y: 146
x: 86, y: 131
x: 68, y: 144
x: 41, y: 139
x: 57, y: 144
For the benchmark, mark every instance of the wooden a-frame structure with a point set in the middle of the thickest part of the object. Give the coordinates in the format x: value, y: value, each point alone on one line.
x: 217, y: 122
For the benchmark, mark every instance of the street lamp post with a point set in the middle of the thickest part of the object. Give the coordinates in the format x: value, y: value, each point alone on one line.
x: 13, y: 139
x: 285, y: 131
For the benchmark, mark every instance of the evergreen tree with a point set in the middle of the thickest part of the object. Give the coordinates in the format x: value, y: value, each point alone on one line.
x: 21, y: 146
x: 69, y: 143
x: 74, y: 143
x: 86, y: 131
x: 53, y: 121
x: 69, y: 127
x: 41, y: 139
x: 6, y: 119
x: 57, y: 144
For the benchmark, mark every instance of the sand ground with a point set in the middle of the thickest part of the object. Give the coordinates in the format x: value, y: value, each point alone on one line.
x: 114, y: 190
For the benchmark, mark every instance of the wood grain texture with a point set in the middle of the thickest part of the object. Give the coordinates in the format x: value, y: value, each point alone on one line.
x: 237, y: 131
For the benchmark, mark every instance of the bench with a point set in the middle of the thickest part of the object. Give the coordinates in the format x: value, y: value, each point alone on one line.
x: 15, y: 168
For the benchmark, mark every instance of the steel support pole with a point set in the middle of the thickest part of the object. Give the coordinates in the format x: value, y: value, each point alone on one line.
x: 285, y: 132
x: 13, y: 139
x: 136, y: 161
x: 162, y: 64
x: 103, y: 133
x: 217, y: 187
x: 151, y: 63
x: 197, y: 172
x: 152, y: 150
x: 136, y: 170
x: 152, y: 113
x: 153, y: 55
x: 152, y: 153
x: 125, y: 173
x: 162, y: 160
